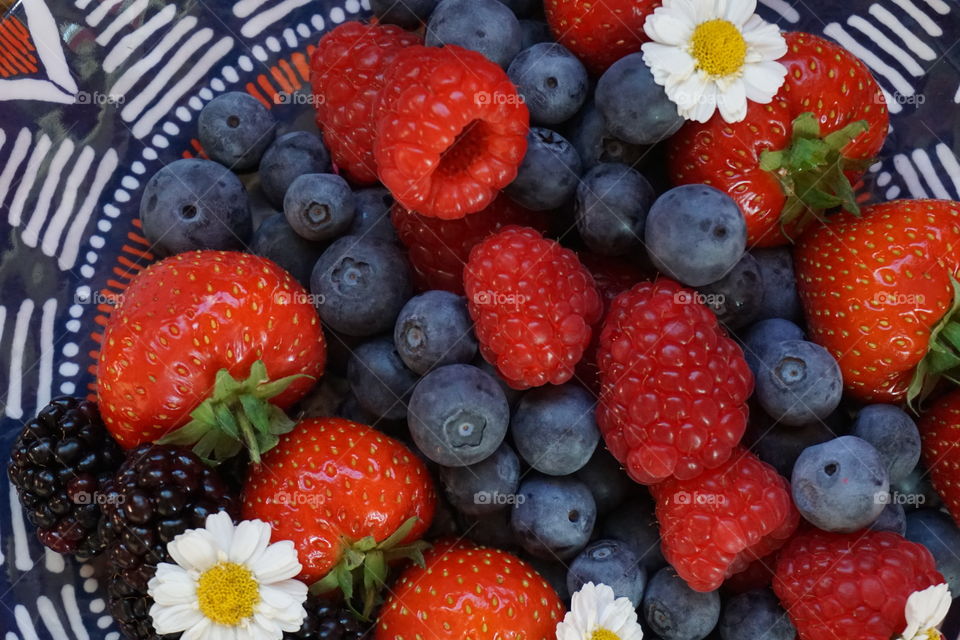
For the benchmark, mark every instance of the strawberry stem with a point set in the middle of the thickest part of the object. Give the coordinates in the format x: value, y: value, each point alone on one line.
x: 943, y: 354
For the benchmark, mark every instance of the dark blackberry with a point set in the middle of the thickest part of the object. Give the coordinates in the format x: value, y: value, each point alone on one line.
x: 159, y: 492
x: 327, y: 620
x: 58, y: 464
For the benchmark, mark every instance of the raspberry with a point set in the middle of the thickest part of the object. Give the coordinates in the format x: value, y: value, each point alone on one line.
x: 451, y: 131
x: 673, y: 385
x: 533, y: 304
x: 438, y: 249
x: 347, y: 70
x: 851, y: 585
x: 717, y: 523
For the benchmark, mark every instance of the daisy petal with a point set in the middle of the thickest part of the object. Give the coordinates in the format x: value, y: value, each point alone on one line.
x: 173, y: 589
x: 278, y: 562
x: 194, y: 549
x: 249, y: 542
x: 669, y: 29
x: 762, y: 81
x: 732, y: 102
x: 738, y: 11
x: 167, y: 619
x: 764, y: 40
x: 198, y: 631
x: 220, y: 525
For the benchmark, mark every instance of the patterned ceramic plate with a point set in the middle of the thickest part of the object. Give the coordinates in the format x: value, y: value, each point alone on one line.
x: 95, y: 95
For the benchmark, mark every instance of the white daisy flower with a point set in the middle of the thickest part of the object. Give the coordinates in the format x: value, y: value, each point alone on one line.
x: 228, y: 583
x: 925, y: 611
x: 714, y: 54
x: 596, y: 615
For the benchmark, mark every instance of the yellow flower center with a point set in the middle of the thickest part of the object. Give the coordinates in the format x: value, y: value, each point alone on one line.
x: 227, y: 593
x: 604, y: 634
x: 930, y: 634
x: 718, y: 47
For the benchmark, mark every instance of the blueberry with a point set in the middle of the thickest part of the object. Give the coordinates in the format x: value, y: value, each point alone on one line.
x: 350, y: 409
x: 674, y: 611
x: 485, y: 487
x: 491, y: 530
x: 235, y: 129
x: 937, y: 532
x: 892, y: 518
x: 408, y: 14
x: 458, y: 415
x: 486, y: 26
x: 361, y: 285
x: 289, y: 157
x: 553, y: 517
x: 756, y: 615
x: 840, y: 485
x: 512, y: 395
x: 611, y: 208
x: 589, y: 136
x: 763, y: 336
x: 553, y: 571
x: 695, y: 234
x: 553, y: 82
x: 379, y: 379
x: 275, y: 239
x: 319, y: 206
x: 434, y: 329
x: 195, y: 204
x: 780, y: 445
x: 799, y: 382
x: 534, y: 32
x: 554, y: 428
x: 372, y: 217
x: 609, y: 562
x: 549, y: 173
x: 634, y: 523
x: 917, y: 490
x: 894, y: 435
x: 780, y: 297
x: 606, y: 480
x: 737, y: 297
x: 634, y: 107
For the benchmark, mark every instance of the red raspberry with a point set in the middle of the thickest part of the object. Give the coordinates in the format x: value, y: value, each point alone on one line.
x: 716, y: 524
x: 851, y: 585
x: 438, y: 249
x: 346, y: 71
x: 940, y: 432
x: 674, y: 387
x: 533, y: 304
x: 451, y: 131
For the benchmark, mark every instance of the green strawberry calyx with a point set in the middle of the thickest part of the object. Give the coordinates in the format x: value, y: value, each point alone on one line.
x: 812, y: 170
x: 238, y: 414
x: 362, y: 571
x: 942, y: 361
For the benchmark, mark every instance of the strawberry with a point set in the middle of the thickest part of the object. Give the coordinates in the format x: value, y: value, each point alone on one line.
x: 790, y: 160
x: 213, y: 344
x: 939, y: 431
x: 878, y: 295
x: 464, y: 591
x: 351, y: 499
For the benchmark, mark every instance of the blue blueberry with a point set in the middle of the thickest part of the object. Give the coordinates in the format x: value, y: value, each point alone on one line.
x: 350, y: 409
x: 674, y: 611
x: 409, y: 14
x: 894, y: 435
x: 534, y: 32
x: 553, y: 517
x: 840, y: 485
x: 589, y: 136
x: 549, y: 173
x: 917, y: 490
x: 553, y: 82
x: 695, y: 234
x: 289, y: 157
x: 491, y: 530
x: 756, y: 615
x: 372, y: 217
x: 737, y: 297
x: 554, y: 428
x: 799, y: 382
x: 892, y: 518
x: 361, y: 285
x: 634, y: 523
x: 606, y: 480
x: 780, y: 296
x: 458, y: 415
x: 611, y: 209
x: 379, y: 380
x: 485, y: 487
x: 936, y: 531
x: 235, y: 129
x: 434, y: 329
x: 275, y: 239
x: 609, y: 562
x: 319, y: 206
x: 763, y: 336
x: 195, y: 204
x: 512, y: 395
x: 780, y: 445
x: 486, y: 26
x: 634, y: 107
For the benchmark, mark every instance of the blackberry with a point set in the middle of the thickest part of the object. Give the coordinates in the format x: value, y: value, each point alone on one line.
x: 327, y: 620
x: 159, y: 492
x: 58, y: 464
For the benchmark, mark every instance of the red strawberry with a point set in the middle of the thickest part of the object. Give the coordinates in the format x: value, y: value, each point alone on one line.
x: 347, y: 70
x: 533, y: 304
x: 940, y: 434
x: 717, y: 523
x: 851, y: 585
x: 599, y: 33
x: 877, y: 292
x: 777, y: 153
x: 472, y: 592
x: 438, y: 249
x: 451, y: 131
x: 186, y: 327
x: 674, y: 387
x: 350, y: 498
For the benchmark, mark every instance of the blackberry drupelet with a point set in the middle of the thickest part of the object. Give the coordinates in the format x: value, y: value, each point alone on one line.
x: 159, y: 492
x: 328, y: 620
x: 58, y: 464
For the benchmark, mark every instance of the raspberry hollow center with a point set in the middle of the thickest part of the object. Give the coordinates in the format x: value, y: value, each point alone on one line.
x: 718, y: 47
x: 227, y: 593
x: 603, y: 634
x: 469, y: 144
